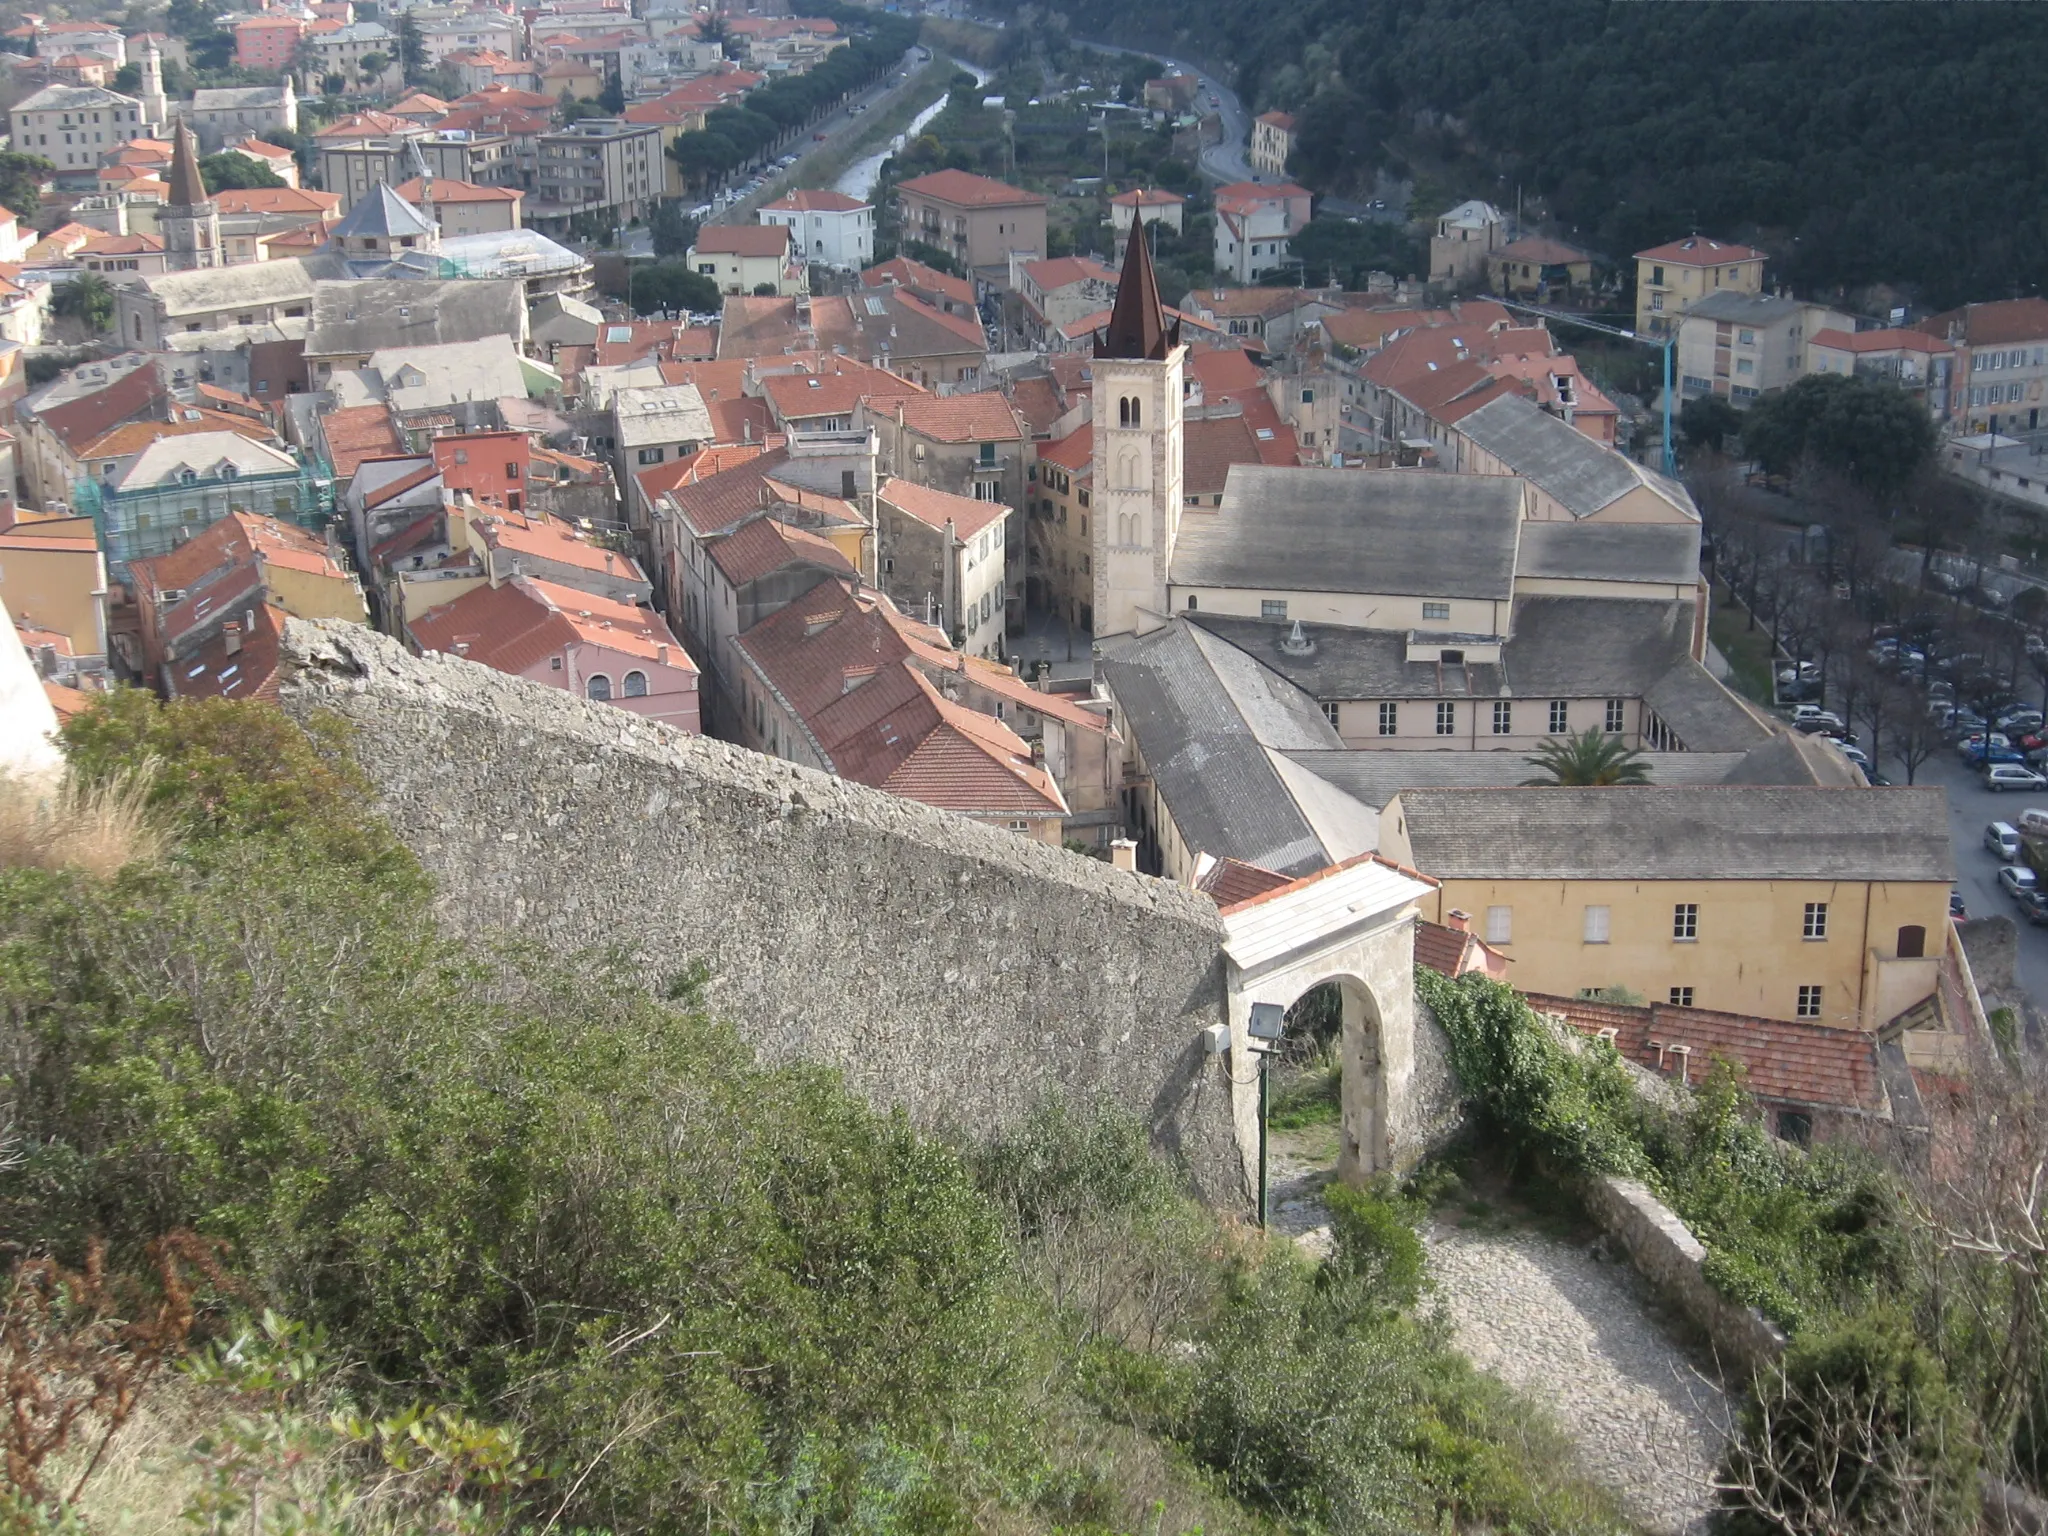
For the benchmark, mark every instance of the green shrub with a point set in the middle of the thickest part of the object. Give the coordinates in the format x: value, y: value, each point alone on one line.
x: 1858, y: 1431
x: 1376, y: 1243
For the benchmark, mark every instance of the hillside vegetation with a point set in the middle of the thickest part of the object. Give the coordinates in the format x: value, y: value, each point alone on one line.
x: 320, y: 1220
x: 1859, y: 144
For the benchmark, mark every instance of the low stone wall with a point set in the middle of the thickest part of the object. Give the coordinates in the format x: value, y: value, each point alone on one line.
x: 1666, y: 1253
x: 953, y: 969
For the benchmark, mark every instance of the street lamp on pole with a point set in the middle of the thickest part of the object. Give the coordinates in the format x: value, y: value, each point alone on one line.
x: 1268, y: 1024
x: 1664, y: 344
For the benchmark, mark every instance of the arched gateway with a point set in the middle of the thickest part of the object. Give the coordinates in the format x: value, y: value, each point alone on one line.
x: 1354, y: 925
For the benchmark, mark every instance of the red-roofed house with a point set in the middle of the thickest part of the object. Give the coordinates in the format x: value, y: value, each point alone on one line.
x: 831, y: 681
x: 944, y: 292
x: 1254, y: 224
x: 116, y: 257
x: 463, y: 207
x: 1273, y: 135
x: 749, y: 258
x: 1671, y: 278
x: 975, y: 220
x: 1534, y: 267
x: 941, y: 557
x: 1055, y: 293
x: 1921, y: 364
x: 971, y: 445
x: 612, y: 652
x: 208, y: 586
x: 1149, y: 204
x: 828, y: 228
x: 893, y: 328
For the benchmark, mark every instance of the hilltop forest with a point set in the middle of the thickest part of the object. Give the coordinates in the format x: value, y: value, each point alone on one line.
x: 1858, y: 144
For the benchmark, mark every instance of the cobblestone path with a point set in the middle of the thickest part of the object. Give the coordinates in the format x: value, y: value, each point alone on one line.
x: 1579, y: 1335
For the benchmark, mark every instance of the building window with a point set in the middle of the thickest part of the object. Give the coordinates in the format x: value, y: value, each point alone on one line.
x: 1503, y: 717
x: 1446, y: 718
x: 1273, y: 608
x: 1436, y: 611
x: 1500, y: 925
x: 1596, y: 925
x: 1681, y: 997
x: 1795, y: 1126
x: 1809, y: 1003
x: 650, y: 455
x: 636, y: 685
x: 1685, y: 921
x: 1912, y: 942
x: 1330, y: 714
x: 1560, y: 717
x: 1614, y: 717
x: 599, y: 687
x: 1816, y: 923
x: 1390, y: 719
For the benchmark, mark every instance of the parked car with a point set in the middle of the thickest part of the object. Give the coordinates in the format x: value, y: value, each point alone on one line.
x: 2016, y: 878
x: 2025, y: 719
x: 2003, y: 776
x: 1856, y: 755
x: 2033, y: 907
x: 1978, y: 741
x: 2003, y: 839
x: 1956, y: 907
x: 1813, y: 721
x: 1986, y: 757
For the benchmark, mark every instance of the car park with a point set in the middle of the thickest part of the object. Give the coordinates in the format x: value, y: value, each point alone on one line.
x: 2016, y: 878
x: 1978, y: 741
x: 2000, y: 777
x: 1987, y: 757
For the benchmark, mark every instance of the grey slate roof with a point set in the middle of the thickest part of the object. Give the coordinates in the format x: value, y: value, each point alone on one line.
x: 1694, y: 832
x: 1579, y: 474
x: 1203, y: 716
x: 361, y: 317
x: 1355, y: 530
x: 1704, y: 715
x: 384, y: 215
x: 1790, y: 758
x: 1743, y: 308
x: 1375, y: 777
x: 1659, y: 552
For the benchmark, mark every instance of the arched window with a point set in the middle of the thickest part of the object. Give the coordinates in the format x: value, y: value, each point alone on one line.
x: 1127, y: 471
x: 636, y: 685
x: 599, y: 688
x: 1136, y: 405
x: 1123, y: 410
x: 1191, y: 602
x: 1912, y: 942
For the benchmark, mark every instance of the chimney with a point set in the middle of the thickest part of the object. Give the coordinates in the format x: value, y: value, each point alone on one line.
x: 1038, y: 753
x: 1123, y: 854
x: 661, y: 654
x: 1459, y: 922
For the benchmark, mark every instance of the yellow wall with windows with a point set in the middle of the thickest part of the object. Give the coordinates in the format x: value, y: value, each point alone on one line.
x: 1750, y: 953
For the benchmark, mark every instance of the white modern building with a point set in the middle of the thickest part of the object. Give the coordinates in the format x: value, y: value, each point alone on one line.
x: 75, y: 126
x: 828, y: 229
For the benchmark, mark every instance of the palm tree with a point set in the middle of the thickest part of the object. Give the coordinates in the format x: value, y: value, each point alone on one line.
x: 1590, y: 758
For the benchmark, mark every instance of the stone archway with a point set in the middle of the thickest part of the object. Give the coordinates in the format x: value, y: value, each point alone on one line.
x: 1352, y: 925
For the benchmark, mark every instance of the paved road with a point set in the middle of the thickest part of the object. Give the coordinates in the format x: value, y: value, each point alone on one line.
x: 1971, y: 807
x: 1229, y: 160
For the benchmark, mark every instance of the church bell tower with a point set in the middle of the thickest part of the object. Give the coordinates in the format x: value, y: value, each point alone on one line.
x: 1139, y: 361
x: 190, y: 223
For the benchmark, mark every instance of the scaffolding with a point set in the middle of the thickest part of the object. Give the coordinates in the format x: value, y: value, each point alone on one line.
x: 144, y: 521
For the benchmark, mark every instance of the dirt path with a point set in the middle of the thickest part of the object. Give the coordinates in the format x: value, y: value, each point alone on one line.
x: 1551, y: 1318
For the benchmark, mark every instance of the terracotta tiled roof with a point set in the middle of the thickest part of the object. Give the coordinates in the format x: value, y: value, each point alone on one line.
x: 122, y: 245
x: 1038, y: 401
x: 500, y: 96
x: 237, y: 538
x: 964, y: 189
x: 1881, y: 341
x: 976, y: 418
x: 371, y: 125
x: 1699, y: 251
x: 1225, y: 370
x: 447, y: 190
x: 2001, y: 320
x: 815, y: 200
x: 844, y: 664
x: 1784, y: 1061
x: 1073, y: 452
x: 1229, y: 881
x: 755, y: 549
x: 1284, y: 121
x: 250, y: 672
x: 134, y: 394
x: 905, y: 273
x: 743, y: 240
x: 1058, y: 271
x: 514, y: 122
x: 797, y: 396
x: 1209, y: 447
x: 420, y: 104
x: 699, y: 466
x: 519, y: 623
x: 1271, y: 436
x: 121, y: 441
x: 714, y: 501
x: 358, y: 432
x: 1147, y: 197
x: 543, y: 538
x: 743, y: 420
x: 936, y: 508
x: 67, y: 702
x: 1442, y: 949
x: 277, y: 200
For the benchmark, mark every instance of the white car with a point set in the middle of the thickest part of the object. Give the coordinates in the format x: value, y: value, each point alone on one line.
x: 2004, y: 776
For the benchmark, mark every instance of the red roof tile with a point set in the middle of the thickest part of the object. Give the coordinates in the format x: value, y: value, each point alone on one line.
x: 966, y: 190
x: 518, y: 623
x: 937, y: 508
x: 815, y: 200
x: 1699, y: 251
x: 358, y: 432
x: 1073, y: 452
x: 1209, y: 446
x: 743, y: 240
x: 902, y: 272
x: 765, y: 545
x: 1783, y: 1061
x: 976, y: 418
x: 1229, y: 881
x: 249, y: 672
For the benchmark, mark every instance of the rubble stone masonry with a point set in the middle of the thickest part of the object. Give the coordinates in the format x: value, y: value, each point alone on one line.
x: 958, y: 971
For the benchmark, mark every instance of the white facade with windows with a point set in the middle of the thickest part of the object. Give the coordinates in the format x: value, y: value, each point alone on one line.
x: 827, y: 229
x: 75, y: 127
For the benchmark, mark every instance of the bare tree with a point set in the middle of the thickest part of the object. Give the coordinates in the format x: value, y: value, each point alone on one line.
x: 1912, y: 738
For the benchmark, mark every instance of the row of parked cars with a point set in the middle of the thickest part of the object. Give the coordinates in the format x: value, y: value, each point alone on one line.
x: 2017, y: 879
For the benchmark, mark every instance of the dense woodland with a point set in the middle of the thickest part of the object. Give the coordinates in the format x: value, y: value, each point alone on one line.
x: 1858, y: 144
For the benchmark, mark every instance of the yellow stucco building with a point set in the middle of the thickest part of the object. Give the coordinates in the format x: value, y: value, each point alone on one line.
x: 1822, y: 904
x: 1671, y: 278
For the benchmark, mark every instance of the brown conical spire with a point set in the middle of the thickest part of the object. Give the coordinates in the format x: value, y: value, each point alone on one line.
x: 1138, y: 327
x: 187, y: 190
